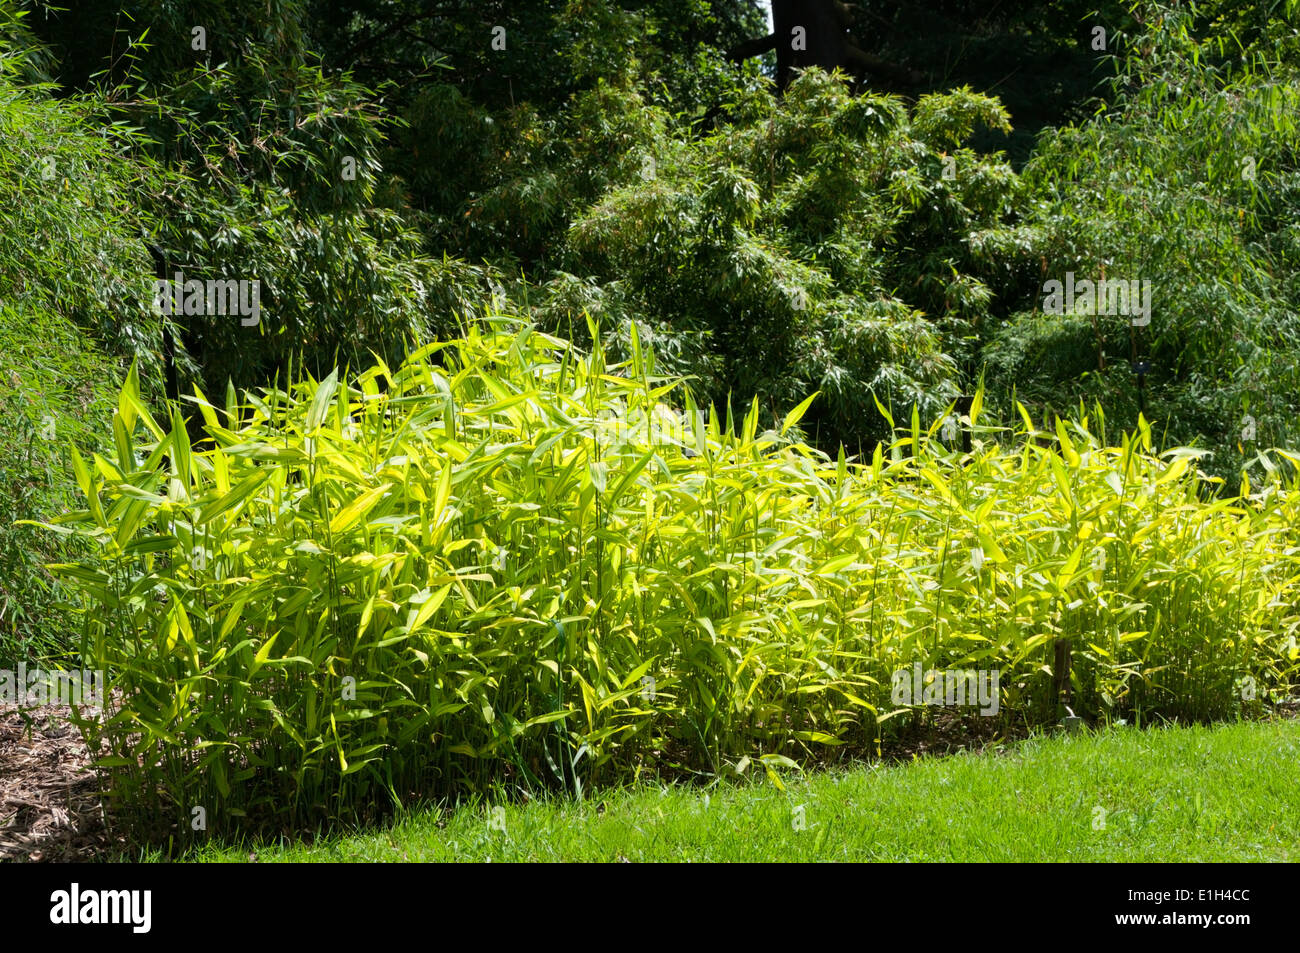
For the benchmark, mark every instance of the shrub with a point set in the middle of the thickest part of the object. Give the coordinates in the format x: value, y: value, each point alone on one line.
x: 70, y: 246
x: 817, y: 243
x: 56, y: 390
x: 521, y: 579
x: 1187, y: 178
x: 70, y: 303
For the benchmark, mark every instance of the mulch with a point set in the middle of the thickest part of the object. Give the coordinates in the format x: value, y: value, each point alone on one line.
x: 50, y: 808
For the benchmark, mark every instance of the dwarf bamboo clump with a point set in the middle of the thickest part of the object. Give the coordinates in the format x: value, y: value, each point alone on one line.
x: 505, y: 560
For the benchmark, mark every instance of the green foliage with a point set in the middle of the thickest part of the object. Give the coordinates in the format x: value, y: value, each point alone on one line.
x: 71, y: 301
x: 531, y: 568
x: 56, y: 391
x: 23, y: 61
x: 1190, y: 180
x: 103, y: 42
x: 1038, y: 56
x: 489, y: 539
x: 273, y: 175
x: 816, y: 245
x: 552, y: 50
x: 70, y: 245
x: 284, y: 188
x: 609, y: 160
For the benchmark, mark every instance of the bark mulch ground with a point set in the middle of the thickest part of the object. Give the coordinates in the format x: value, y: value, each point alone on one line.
x: 50, y: 808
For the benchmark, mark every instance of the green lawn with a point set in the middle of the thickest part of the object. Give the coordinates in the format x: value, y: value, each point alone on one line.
x: 1226, y: 793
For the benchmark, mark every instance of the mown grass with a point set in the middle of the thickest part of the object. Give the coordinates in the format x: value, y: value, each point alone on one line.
x: 1222, y: 793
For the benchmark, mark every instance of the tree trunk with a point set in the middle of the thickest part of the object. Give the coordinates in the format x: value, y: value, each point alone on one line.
x: 816, y: 33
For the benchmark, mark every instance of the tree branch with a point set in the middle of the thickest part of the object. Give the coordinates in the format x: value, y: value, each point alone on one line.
x: 388, y: 32
x: 744, y: 51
